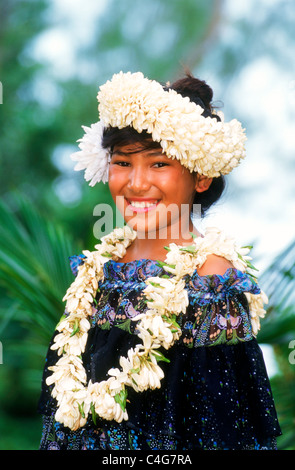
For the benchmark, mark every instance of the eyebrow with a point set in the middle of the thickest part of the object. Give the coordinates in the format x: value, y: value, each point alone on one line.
x: 149, y: 153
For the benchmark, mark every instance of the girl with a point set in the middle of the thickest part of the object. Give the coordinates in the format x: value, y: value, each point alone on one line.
x: 157, y: 346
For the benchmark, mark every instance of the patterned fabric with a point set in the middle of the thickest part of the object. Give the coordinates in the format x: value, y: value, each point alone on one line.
x: 123, y: 437
x: 215, y: 393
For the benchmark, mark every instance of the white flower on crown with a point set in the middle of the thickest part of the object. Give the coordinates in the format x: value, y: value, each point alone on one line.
x: 201, y: 144
x: 92, y: 157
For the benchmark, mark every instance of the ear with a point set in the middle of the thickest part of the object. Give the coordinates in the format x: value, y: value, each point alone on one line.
x: 202, y: 183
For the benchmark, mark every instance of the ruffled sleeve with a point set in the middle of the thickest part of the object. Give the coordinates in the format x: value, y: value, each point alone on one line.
x: 218, y: 310
x: 75, y: 262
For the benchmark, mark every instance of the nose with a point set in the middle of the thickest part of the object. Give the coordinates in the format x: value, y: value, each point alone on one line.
x: 138, y: 179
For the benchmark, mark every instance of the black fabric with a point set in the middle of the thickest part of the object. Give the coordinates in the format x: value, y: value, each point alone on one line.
x: 215, y: 393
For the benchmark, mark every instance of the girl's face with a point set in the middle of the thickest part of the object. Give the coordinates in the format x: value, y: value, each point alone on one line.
x: 153, y: 192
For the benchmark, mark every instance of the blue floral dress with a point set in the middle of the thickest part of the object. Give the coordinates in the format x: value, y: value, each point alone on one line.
x: 215, y: 393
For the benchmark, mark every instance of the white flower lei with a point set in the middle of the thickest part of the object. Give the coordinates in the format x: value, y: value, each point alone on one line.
x: 166, y: 299
x: 201, y: 144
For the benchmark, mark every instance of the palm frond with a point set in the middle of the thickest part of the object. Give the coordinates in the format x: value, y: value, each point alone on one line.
x: 278, y: 329
x: 278, y: 281
x: 34, y: 276
x: 34, y: 268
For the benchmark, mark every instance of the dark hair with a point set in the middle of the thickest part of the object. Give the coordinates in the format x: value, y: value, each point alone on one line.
x: 200, y: 93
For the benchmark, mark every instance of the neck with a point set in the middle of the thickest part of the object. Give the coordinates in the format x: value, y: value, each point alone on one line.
x: 152, y: 245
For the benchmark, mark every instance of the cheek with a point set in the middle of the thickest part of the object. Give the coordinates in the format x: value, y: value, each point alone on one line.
x: 189, y: 184
x: 183, y: 188
x: 115, y: 181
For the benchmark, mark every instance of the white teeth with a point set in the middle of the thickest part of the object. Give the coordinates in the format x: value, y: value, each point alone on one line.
x: 141, y: 204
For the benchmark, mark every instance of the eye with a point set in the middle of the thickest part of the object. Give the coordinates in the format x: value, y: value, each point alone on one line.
x: 160, y: 164
x: 120, y: 162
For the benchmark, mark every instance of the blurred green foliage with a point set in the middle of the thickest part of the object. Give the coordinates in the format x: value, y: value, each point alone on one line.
x: 46, y: 213
x: 34, y: 275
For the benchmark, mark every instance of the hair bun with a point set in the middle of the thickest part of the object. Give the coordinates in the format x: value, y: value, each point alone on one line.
x: 196, y: 90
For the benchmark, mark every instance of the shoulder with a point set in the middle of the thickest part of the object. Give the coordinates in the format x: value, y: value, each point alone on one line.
x: 214, y: 265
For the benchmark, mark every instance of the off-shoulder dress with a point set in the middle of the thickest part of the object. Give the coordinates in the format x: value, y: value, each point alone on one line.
x: 215, y: 393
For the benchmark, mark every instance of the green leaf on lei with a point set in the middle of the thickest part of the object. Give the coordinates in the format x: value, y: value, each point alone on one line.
x: 188, y: 248
x: 160, y: 357
x: 61, y: 319
x: 81, y: 409
x: 76, y: 328
x: 93, y: 412
x: 121, y: 398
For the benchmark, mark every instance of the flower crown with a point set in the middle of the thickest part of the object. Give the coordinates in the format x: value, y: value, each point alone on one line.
x: 201, y: 144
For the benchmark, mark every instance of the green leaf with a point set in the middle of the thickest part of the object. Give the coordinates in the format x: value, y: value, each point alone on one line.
x: 121, y: 398
x: 93, y: 412
x: 160, y: 357
x: 155, y: 284
x: 250, y: 265
x: 61, y: 319
x: 76, y: 328
x: 81, y: 409
x: 189, y: 248
x: 162, y: 264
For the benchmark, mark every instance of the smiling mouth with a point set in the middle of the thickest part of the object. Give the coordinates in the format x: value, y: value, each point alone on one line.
x: 142, y: 206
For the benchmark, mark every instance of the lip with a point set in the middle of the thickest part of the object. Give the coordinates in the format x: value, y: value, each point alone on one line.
x: 153, y: 204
